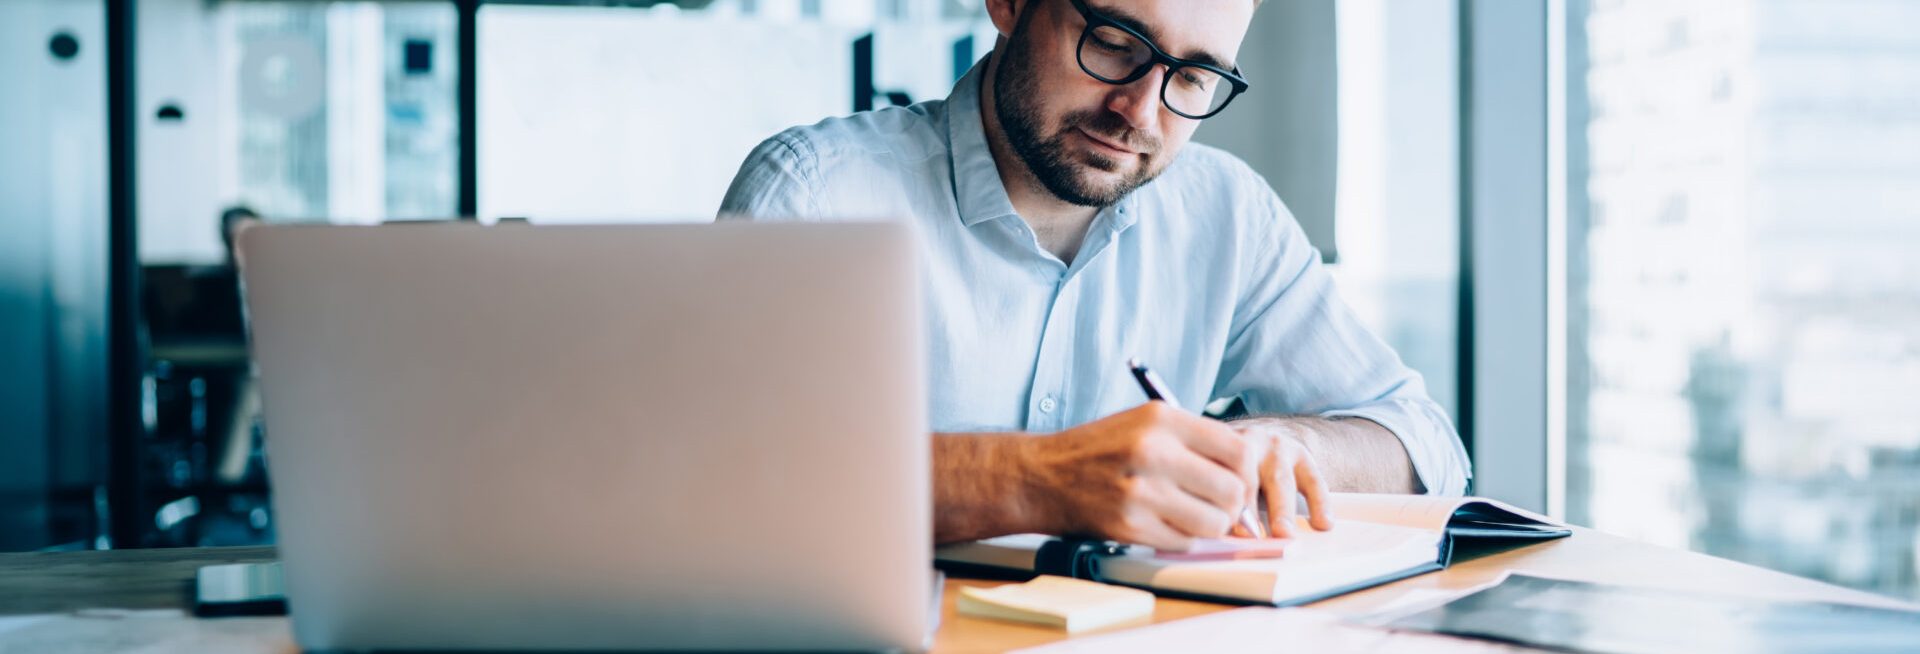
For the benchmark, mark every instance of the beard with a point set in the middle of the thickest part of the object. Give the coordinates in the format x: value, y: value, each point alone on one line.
x: 1059, y: 168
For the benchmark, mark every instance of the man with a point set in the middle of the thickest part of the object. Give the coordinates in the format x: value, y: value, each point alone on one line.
x: 1068, y: 225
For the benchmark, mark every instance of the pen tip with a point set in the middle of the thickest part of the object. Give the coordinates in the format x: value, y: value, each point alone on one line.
x: 1133, y: 362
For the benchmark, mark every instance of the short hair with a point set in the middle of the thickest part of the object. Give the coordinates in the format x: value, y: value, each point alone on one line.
x: 232, y: 216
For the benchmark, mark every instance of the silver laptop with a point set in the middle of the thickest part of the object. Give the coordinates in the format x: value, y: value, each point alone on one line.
x: 607, y: 437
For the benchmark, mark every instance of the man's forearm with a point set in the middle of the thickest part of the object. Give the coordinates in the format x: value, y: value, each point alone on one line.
x: 981, y: 488
x: 1356, y: 455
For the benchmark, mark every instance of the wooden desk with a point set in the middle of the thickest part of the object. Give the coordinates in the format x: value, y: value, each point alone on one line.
x: 160, y: 579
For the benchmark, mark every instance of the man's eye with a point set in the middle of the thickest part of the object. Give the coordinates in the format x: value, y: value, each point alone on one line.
x: 1110, y: 40
x: 1192, y: 80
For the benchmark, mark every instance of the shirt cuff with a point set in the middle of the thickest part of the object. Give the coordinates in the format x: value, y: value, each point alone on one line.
x: 1432, y: 444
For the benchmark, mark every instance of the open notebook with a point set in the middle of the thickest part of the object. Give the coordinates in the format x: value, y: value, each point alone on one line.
x: 1375, y: 539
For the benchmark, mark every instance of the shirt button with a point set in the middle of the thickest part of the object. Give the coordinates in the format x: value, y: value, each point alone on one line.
x: 1047, y: 404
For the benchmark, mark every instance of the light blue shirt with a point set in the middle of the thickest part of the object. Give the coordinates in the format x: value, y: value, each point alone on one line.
x: 1202, y: 273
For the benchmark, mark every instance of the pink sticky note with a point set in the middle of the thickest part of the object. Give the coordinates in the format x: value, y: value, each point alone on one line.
x: 1229, y: 549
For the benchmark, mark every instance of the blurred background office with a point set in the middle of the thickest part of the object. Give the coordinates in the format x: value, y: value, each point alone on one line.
x: 1656, y: 256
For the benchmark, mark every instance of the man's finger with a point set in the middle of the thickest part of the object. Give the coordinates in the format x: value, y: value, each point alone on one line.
x: 1213, y: 439
x: 1279, y: 489
x: 1319, y: 503
x: 1189, y: 515
x: 1165, y: 538
x: 1206, y: 480
x: 1257, y: 450
x: 1151, y: 530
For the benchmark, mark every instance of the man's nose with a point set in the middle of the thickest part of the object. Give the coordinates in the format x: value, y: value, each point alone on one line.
x: 1139, y: 101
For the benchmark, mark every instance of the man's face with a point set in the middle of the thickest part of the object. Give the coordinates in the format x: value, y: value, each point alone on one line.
x: 1089, y: 142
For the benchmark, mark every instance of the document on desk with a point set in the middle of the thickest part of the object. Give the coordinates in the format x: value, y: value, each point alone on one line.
x: 1265, y: 630
x: 1589, y: 617
x: 1375, y: 539
x: 113, y: 631
x: 16, y: 622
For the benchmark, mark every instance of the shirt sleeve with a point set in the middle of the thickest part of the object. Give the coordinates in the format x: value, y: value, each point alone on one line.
x: 778, y: 180
x: 1295, y: 348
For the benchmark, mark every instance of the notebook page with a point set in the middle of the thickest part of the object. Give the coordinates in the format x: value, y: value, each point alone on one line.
x: 1425, y: 512
x: 1315, y: 561
x: 1417, y: 511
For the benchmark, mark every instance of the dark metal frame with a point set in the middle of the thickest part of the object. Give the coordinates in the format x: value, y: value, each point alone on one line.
x: 125, y: 374
x: 1464, y: 329
x: 863, y: 73
x: 1095, y: 20
x: 469, y: 28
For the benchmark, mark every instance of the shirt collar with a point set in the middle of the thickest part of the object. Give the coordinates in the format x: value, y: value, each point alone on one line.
x: 977, y: 188
x: 980, y: 194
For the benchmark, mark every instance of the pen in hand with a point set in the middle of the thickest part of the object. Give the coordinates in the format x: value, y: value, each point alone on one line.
x: 1157, y: 390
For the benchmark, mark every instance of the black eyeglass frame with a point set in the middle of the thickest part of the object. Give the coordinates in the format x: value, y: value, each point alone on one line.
x: 1160, y: 57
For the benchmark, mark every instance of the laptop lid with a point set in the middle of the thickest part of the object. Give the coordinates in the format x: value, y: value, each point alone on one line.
x: 702, y: 436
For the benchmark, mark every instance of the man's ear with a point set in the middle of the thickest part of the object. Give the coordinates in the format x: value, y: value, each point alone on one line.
x: 1006, y: 14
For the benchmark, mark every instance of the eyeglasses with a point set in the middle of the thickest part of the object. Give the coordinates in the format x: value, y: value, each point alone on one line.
x: 1115, y: 54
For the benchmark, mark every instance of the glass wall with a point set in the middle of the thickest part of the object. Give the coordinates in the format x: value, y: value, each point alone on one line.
x: 348, y: 111
x: 53, y: 271
x: 597, y: 114
x: 284, y: 111
x: 1397, y: 199
x: 337, y: 111
x: 1745, y: 299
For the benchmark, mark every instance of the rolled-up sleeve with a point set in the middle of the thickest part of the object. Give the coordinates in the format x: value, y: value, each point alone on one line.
x: 1295, y: 348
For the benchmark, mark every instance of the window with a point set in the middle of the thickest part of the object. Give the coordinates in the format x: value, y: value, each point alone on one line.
x: 301, y: 111
x: 590, y: 114
x: 1744, y: 299
x: 1397, y: 199
x: 342, y: 111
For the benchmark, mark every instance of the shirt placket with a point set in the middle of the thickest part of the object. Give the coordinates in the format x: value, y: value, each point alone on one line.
x: 1047, y: 410
x: 1046, y: 403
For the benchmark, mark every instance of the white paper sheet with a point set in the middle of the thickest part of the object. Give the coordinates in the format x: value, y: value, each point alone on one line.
x: 16, y: 622
x: 1266, y: 630
x: 109, y: 631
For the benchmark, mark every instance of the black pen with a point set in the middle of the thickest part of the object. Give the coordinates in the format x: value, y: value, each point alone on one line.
x: 1151, y: 384
x: 1157, y: 390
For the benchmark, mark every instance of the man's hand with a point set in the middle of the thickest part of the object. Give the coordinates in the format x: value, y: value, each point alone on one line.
x: 1287, y: 470
x: 1159, y: 476
x: 1153, y: 475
